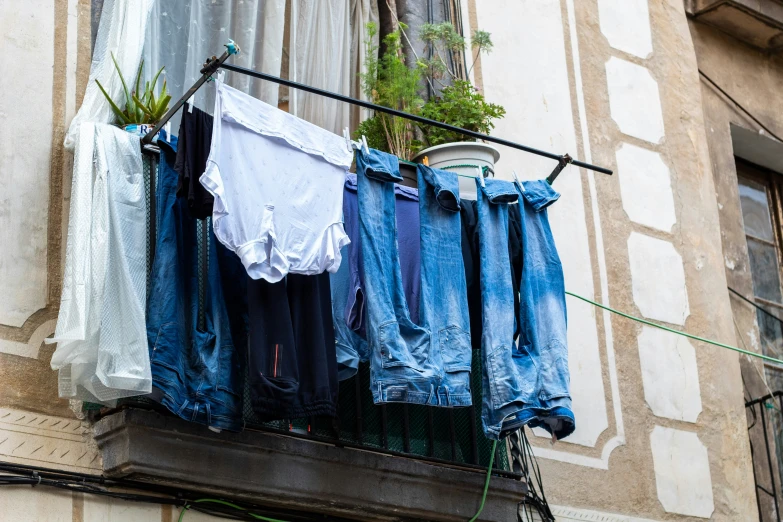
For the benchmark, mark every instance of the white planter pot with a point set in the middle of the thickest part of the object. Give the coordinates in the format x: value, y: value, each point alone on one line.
x: 462, y: 158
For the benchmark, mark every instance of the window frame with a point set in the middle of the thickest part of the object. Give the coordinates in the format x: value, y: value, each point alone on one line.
x: 772, y: 181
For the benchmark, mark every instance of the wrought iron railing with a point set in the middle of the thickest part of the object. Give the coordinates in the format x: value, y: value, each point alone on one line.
x: 766, y: 423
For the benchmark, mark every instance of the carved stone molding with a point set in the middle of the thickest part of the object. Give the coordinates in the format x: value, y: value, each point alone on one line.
x: 45, y: 440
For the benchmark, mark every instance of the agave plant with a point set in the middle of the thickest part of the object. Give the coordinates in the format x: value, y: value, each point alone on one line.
x: 145, y: 109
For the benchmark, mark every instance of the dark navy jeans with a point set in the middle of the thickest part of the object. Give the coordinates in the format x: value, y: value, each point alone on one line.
x: 195, y: 370
x: 427, y: 363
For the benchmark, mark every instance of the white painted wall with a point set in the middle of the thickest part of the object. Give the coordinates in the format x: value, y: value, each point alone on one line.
x: 27, y: 59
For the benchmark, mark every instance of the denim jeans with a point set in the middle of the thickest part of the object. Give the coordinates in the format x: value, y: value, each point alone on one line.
x: 427, y: 363
x: 503, y: 384
x: 195, y: 371
x: 542, y: 316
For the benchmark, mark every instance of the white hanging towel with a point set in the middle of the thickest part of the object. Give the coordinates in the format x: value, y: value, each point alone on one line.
x: 278, y: 187
x: 101, y: 334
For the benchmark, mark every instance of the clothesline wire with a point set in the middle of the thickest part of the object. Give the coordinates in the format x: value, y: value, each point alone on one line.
x: 213, y: 64
x: 678, y: 332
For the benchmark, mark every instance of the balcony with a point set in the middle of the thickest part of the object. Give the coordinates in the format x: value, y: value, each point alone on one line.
x: 387, y: 462
x: 756, y: 22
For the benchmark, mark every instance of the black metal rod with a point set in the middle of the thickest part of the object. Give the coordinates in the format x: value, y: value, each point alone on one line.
x: 407, y: 116
x: 452, y: 435
x: 153, y: 240
x: 358, y: 409
x: 764, y: 398
x: 406, y: 429
x: 474, y: 458
x: 206, y: 72
x: 430, y: 433
x: 384, y: 427
x: 769, y: 456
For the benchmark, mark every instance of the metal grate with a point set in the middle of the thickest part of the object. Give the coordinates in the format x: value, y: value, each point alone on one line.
x: 450, y: 436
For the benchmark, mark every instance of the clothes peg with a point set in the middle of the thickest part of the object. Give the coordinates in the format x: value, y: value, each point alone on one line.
x: 190, y: 108
x: 481, y: 176
x: 347, y: 136
x: 425, y: 161
x: 364, y: 144
x: 516, y: 180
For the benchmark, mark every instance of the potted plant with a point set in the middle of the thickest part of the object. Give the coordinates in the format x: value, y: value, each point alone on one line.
x: 142, y: 108
x: 389, y: 82
x: 458, y: 103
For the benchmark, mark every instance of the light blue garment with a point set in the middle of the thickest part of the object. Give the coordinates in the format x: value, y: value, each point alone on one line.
x: 504, y: 388
x: 427, y: 363
x: 350, y: 347
x: 542, y: 316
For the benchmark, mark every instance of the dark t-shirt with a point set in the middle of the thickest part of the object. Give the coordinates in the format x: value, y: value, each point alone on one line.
x: 195, y: 140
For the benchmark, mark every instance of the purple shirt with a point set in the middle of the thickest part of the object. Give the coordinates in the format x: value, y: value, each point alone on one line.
x: 408, y: 242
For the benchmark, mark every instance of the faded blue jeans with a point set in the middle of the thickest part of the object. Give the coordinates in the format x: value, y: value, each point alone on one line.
x: 542, y: 316
x: 418, y: 364
x: 196, y: 371
x: 502, y: 381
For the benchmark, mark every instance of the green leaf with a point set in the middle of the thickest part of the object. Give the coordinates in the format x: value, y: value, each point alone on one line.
x: 128, y: 99
x: 141, y: 106
x: 163, y: 106
x: 117, y: 112
x: 155, y: 80
x: 138, y: 76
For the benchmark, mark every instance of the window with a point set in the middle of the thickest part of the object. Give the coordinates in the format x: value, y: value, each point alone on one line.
x: 760, y: 193
x: 761, y: 199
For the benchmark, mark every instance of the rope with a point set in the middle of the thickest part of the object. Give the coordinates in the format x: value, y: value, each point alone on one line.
x: 486, y: 483
x: 672, y: 330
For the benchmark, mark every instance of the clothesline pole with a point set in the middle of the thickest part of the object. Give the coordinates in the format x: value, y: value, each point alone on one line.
x: 210, y: 68
x: 412, y: 117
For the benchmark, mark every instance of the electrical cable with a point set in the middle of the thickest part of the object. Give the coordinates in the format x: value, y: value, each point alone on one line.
x: 743, y: 109
x: 672, y: 330
x: 224, y: 503
x: 486, y: 483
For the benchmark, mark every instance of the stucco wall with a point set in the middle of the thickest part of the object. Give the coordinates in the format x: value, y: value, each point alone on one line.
x: 753, y: 78
x: 662, y: 429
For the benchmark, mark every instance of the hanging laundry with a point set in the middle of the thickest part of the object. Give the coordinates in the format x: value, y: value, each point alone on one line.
x: 278, y: 187
x: 195, y: 142
x: 195, y: 361
x: 505, y: 384
x: 351, y: 348
x: 292, y: 365
x: 427, y: 363
x: 471, y: 259
x: 101, y: 350
x: 542, y: 317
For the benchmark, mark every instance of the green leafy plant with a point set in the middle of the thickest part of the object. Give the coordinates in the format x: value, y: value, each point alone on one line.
x: 144, y: 109
x: 459, y: 102
x: 389, y: 82
x: 461, y: 105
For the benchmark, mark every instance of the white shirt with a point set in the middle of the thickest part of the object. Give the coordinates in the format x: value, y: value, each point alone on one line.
x: 278, y: 187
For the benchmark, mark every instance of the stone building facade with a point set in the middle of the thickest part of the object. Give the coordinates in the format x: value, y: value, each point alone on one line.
x: 663, y: 432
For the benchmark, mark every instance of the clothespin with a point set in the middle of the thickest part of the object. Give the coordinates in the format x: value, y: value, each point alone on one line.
x: 232, y: 47
x: 481, y: 176
x: 425, y: 161
x: 347, y: 136
x: 364, y: 144
x: 516, y: 180
x: 190, y: 108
